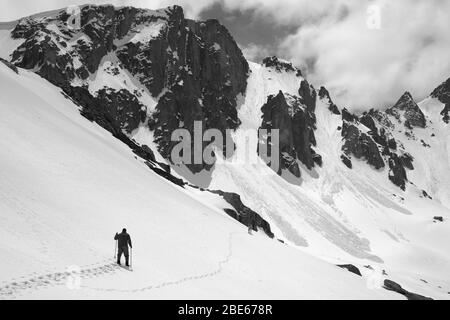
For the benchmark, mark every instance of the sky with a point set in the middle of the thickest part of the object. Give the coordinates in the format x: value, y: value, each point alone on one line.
x: 366, y: 52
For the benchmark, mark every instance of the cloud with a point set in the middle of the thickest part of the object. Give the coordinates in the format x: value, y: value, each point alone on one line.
x: 366, y: 52
x: 255, y: 52
x: 365, y: 67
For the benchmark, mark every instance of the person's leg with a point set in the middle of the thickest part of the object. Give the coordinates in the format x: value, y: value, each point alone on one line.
x: 119, y: 255
x: 126, y: 253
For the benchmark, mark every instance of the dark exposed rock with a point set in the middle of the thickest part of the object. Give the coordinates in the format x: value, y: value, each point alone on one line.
x: 442, y: 92
x: 397, y: 173
x: 367, y: 146
x: 280, y: 65
x: 198, y: 64
x: 123, y: 107
x: 379, y: 136
x: 165, y: 174
x: 445, y: 113
x: 368, y: 121
x: 41, y: 47
x: 426, y: 145
x: 324, y: 94
x: 392, y: 144
x: 393, y: 286
x: 294, y: 118
x: 350, y: 268
x: 377, y: 123
x: 381, y: 117
x: 308, y: 96
x: 9, y: 65
x: 101, y: 25
x: 244, y: 214
x: 426, y: 195
x: 347, y: 116
x: 277, y: 115
x: 361, y: 146
x: 406, y: 160
x: 412, y: 114
x: 346, y: 161
x: 203, y: 80
x: 317, y: 158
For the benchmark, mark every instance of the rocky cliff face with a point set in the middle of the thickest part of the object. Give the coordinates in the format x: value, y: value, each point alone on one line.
x: 324, y: 94
x: 360, y: 145
x: 408, y: 110
x: 294, y: 117
x: 370, y: 136
x: 130, y: 68
x: 442, y: 93
x: 194, y: 70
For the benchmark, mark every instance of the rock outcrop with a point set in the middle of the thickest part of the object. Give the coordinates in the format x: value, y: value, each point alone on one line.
x: 324, y: 94
x: 408, y: 109
x: 351, y: 268
x: 378, y: 146
x: 280, y: 65
x: 244, y: 214
x: 9, y: 65
x: 294, y: 117
x: 397, y: 172
x: 442, y: 93
x: 361, y: 146
x: 193, y: 68
x: 393, y: 286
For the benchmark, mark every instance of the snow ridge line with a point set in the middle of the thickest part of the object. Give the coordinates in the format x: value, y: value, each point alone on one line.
x: 180, y: 281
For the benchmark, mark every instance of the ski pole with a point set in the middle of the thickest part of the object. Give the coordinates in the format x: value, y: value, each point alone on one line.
x: 131, y: 257
x: 115, y: 250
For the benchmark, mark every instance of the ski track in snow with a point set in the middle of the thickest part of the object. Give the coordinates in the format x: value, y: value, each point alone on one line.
x: 36, y: 282
x: 210, y: 274
x: 10, y: 290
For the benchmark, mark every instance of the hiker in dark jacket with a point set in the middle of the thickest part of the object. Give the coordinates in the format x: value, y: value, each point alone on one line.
x: 124, y: 240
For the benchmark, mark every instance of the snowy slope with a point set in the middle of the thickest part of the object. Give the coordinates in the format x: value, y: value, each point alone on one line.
x: 66, y: 186
x: 349, y: 216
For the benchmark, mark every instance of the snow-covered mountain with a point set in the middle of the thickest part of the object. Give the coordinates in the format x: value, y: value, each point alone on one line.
x: 371, y: 190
